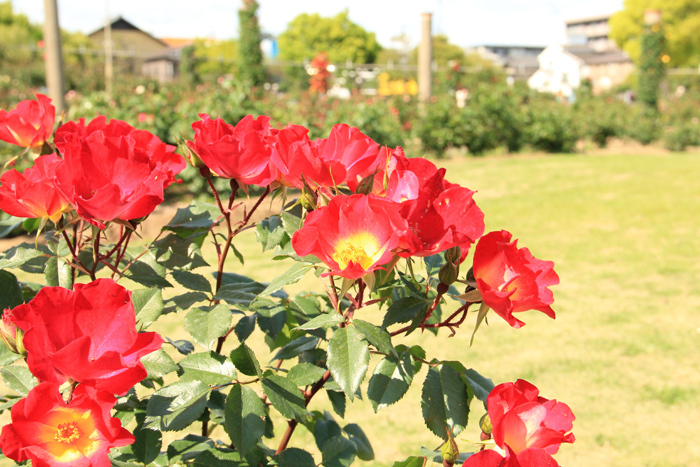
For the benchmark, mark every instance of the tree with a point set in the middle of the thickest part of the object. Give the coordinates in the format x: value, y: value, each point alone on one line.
x: 252, y: 70
x: 681, y: 19
x: 308, y: 35
x: 443, y: 52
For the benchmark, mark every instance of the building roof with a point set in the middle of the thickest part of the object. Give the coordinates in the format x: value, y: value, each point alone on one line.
x: 177, y: 41
x: 588, y: 19
x: 121, y: 24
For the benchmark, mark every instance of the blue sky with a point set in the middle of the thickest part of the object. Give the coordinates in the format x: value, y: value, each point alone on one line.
x: 465, y: 22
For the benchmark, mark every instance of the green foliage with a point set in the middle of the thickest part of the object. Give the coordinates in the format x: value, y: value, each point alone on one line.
x: 252, y: 69
x: 651, y: 65
x: 682, y: 136
x: 681, y: 19
x: 550, y: 127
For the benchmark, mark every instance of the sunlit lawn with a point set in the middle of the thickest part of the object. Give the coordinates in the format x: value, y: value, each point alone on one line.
x: 624, y: 351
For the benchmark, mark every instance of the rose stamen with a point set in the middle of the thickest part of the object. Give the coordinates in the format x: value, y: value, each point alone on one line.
x: 68, y: 433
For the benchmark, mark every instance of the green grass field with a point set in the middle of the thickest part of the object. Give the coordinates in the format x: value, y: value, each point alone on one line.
x: 624, y: 351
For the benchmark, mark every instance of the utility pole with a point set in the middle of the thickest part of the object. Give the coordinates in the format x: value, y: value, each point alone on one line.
x: 54, y: 56
x: 425, y: 59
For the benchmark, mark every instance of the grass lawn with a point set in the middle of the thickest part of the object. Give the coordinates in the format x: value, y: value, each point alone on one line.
x: 624, y: 351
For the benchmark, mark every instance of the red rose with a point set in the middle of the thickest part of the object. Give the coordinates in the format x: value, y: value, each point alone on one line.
x: 241, y: 152
x: 512, y: 280
x: 299, y: 160
x: 440, y: 215
x: 87, y: 335
x: 358, y: 153
x: 34, y: 193
x: 112, y: 170
x: 521, y: 419
x: 353, y: 235
x: 532, y: 457
x: 30, y: 124
x: 51, y: 433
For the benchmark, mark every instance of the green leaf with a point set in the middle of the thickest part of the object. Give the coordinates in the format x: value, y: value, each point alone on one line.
x: 338, y: 452
x: 145, y: 274
x: 348, y: 358
x: 245, y: 327
x: 296, y: 347
x: 10, y: 291
x: 158, y: 363
x: 205, y: 325
x: 294, y: 457
x: 185, y: 301
x: 244, y: 418
x: 324, y: 321
x: 235, y: 294
x: 210, y: 368
x: 58, y: 273
x: 176, y: 406
x: 270, y: 232
x: 404, y: 310
x: 378, y: 337
x: 175, y: 252
x: 291, y: 220
x: 244, y: 360
x: 8, y: 225
x: 18, y: 255
x: 325, y: 429
x: 357, y: 436
x: 413, y: 461
x: 196, y: 217
x: 338, y: 401
x: 188, y: 448
x: 481, y: 386
x: 291, y: 276
x: 7, y: 357
x: 148, y: 304
x: 147, y: 445
x: 444, y: 401
x: 182, y: 346
x: 18, y: 378
x: 305, y: 374
x: 192, y: 281
x: 391, y: 379
x: 284, y: 396
x: 218, y: 457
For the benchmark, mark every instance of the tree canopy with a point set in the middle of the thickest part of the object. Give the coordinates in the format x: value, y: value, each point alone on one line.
x: 307, y: 35
x: 681, y: 20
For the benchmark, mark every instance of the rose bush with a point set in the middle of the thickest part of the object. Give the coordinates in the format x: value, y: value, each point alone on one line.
x: 387, y: 236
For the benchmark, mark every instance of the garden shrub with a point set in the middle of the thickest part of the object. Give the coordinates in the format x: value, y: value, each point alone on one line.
x: 551, y: 127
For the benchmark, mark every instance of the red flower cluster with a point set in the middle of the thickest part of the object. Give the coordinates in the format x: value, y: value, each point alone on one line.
x: 511, y: 279
x: 105, y: 171
x: 529, y: 428
x: 86, y: 336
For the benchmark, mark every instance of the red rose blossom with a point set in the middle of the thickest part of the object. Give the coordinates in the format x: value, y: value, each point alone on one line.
x: 358, y: 153
x: 532, y: 457
x: 241, y: 152
x: 521, y: 419
x: 34, y: 193
x: 299, y: 160
x: 51, y: 433
x: 512, y: 280
x: 30, y: 124
x: 440, y: 214
x: 87, y: 335
x: 353, y: 235
x: 112, y: 170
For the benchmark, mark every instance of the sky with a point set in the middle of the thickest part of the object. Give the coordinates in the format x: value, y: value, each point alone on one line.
x: 466, y: 22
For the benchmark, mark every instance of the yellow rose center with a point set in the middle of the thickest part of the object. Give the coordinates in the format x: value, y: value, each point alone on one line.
x: 357, y: 255
x: 68, y: 433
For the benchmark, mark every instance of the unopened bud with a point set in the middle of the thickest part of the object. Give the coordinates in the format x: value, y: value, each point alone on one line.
x: 485, y: 424
x: 450, y: 270
x: 8, y: 331
x: 192, y: 157
x: 449, y: 451
x: 308, y: 198
x: 470, y: 275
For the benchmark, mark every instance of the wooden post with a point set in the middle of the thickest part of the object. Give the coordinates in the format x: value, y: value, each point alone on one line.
x: 54, y: 56
x: 425, y: 59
